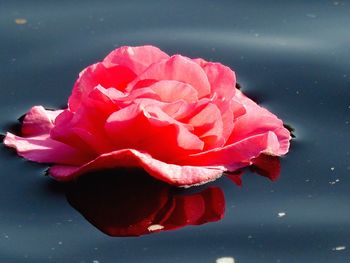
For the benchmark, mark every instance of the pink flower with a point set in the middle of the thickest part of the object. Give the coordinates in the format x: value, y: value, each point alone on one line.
x: 182, y: 120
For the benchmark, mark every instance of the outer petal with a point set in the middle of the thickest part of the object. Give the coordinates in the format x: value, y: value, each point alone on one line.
x: 136, y: 59
x: 236, y: 155
x: 36, y: 145
x: 38, y: 121
x: 170, y: 173
x: 258, y: 120
x: 42, y: 149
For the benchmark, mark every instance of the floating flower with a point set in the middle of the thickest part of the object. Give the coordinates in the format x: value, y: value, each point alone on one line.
x: 181, y: 120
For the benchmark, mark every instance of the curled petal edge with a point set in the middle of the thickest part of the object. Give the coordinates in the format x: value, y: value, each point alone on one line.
x: 178, y: 175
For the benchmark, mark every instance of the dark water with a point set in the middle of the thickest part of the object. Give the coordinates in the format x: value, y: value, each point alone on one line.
x: 292, y: 57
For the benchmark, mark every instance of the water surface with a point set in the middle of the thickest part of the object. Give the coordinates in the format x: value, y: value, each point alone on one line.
x: 292, y: 57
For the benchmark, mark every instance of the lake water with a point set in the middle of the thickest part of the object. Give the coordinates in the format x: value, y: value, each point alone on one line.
x: 292, y: 57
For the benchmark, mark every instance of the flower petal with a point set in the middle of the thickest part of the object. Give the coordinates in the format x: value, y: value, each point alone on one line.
x: 98, y: 74
x: 236, y: 155
x: 177, y: 68
x: 258, y: 120
x: 84, y: 129
x: 136, y: 59
x: 208, y: 126
x: 136, y: 126
x: 42, y: 149
x: 38, y: 121
x: 172, y: 90
x: 170, y: 173
x: 222, y: 84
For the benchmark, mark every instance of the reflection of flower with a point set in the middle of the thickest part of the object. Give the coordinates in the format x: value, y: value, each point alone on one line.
x: 126, y: 204
x: 180, y: 119
x: 130, y: 203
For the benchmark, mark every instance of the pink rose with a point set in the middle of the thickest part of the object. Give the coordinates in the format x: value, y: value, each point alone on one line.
x: 182, y: 120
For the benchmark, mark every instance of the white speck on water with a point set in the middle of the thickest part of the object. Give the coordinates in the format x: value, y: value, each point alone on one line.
x: 339, y: 248
x: 60, y: 242
x: 155, y: 227
x: 334, y: 182
x: 281, y: 214
x: 225, y: 260
x: 95, y: 261
x: 6, y: 236
x: 332, y: 168
x: 250, y: 237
